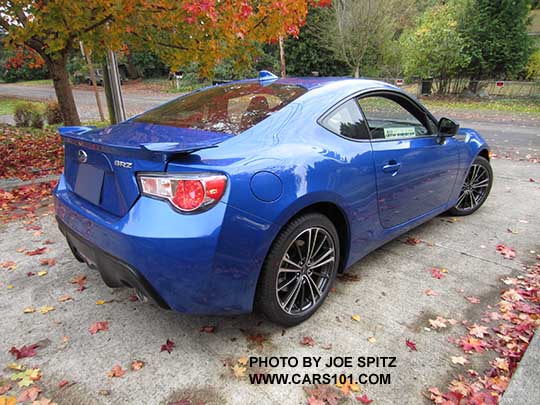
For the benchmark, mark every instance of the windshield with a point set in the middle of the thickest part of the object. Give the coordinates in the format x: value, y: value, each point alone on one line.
x: 231, y: 109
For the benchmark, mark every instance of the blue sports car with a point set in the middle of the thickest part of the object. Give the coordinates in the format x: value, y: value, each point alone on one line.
x: 257, y: 193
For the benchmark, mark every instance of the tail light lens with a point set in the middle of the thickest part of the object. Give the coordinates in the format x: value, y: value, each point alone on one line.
x: 187, y: 193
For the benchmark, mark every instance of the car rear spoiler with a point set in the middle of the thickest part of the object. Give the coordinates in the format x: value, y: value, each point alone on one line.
x: 72, y: 134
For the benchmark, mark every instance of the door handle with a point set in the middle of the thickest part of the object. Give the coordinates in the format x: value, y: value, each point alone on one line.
x: 391, y: 167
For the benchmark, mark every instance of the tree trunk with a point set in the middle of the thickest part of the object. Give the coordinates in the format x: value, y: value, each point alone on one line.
x: 62, y: 88
x: 282, y: 57
x: 357, y: 72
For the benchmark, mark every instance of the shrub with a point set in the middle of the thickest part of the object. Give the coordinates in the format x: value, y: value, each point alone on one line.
x: 28, y: 115
x: 53, y: 113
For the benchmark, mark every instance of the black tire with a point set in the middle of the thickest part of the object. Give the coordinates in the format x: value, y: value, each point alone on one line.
x: 313, y: 227
x: 463, y: 207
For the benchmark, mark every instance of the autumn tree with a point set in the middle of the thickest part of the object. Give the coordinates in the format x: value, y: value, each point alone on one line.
x: 179, y: 31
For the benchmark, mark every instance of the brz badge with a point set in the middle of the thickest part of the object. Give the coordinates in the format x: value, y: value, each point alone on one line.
x: 82, y: 156
x: 125, y: 165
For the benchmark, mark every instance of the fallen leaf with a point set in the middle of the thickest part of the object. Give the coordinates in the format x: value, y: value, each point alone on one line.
x: 10, y: 265
x: 473, y: 300
x: 470, y: 343
x: 243, y: 360
x: 116, y: 371
x: 364, y: 399
x: 208, y: 329
x: 459, y: 360
x: 5, y: 388
x: 323, y: 394
x: 10, y: 286
x: 413, y: 241
x: 478, y: 331
x: 15, y: 366
x: 430, y: 293
x: 438, y: 322
x: 80, y: 281
x: 239, y: 370
x: 29, y: 394
x: 137, y: 365
x: 27, y: 377
x: 99, y: 326
x: 100, y: 302
x: 29, y: 310
x: 63, y: 383
x: 355, y: 318
x: 348, y: 387
x: 436, y: 273
x: 371, y: 339
x: 501, y: 364
x: 38, y: 251
x: 47, y: 262
x: 42, y: 273
x: 133, y: 298
x: 25, y: 351
x: 30, y: 274
x: 508, y: 253
x: 46, y: 309
x: 168, y: 346
x: 258, y: 339
x: 64, y: 298
x: 411, y: 345
x: 307, y: 341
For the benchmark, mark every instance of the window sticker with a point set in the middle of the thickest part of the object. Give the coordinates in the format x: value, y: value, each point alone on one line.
x: 399, y: 132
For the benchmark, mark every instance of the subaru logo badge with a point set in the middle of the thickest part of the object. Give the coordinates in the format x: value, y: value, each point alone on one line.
x: 82, y: 156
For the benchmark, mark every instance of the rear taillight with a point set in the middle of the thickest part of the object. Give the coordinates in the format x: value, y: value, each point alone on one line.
x: 186, y: 192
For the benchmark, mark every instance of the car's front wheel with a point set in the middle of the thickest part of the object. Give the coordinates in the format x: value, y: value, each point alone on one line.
x: 299, y: 270
x: 475, y: 188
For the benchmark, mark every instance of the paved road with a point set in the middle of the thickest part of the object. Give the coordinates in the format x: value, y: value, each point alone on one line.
x: 516, y: 135
x: 389, y: 297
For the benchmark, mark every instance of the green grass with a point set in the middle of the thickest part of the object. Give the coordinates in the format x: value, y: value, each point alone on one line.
x: 35, y: 82
x: 7, y: 104
x: 530, y: 105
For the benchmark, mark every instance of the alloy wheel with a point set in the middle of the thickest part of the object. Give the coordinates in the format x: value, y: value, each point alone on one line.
x: 474, y: 188
x: 305, y: 271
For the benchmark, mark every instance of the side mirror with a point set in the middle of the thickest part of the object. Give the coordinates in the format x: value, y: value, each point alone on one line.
x: 447, y: 127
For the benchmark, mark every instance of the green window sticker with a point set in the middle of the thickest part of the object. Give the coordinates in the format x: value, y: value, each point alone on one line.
x: 399, y: 132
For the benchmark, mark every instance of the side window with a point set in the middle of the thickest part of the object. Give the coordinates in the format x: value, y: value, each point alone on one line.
x: 388, y: 119
x: 347, y: 121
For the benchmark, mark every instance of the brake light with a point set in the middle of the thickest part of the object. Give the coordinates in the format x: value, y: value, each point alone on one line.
x: 188, y: 193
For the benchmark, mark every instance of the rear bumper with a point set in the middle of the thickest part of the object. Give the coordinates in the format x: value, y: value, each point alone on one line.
x: 114, y: 272
x: 207, y: 263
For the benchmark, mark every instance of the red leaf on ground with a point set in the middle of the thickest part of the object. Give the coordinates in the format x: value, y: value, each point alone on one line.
x: 47, y: 262
x: 80, y: 281
x: 259, y: 339
x: 307, y: 341
x: 38, y: 251
x: 5, y: 388
x: 116, y: 371
x: 99, y: 326
x: 29, y: 394
x: 323, y: 394
x: 436, y: 273
x: 364, y: 399
x: 168, y: 346
x: 413, y: 241
x: 30, y: 274
x: 10, y: 265
x: 133, y: 298
x: 473, y: 300
x: 63, y: 383
x: 48, y: 242
x: 508, y: 253
x: 469, y: 343
x: 208, y: 329
x: 411, y: 345
x: 25, y: 351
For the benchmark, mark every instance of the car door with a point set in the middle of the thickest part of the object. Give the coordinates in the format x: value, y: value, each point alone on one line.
x: 415, y: 169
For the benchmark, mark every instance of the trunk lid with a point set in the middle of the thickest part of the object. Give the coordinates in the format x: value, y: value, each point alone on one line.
x: 100, y: 166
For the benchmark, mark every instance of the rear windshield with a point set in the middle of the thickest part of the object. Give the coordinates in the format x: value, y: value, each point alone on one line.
x: 231, y: 109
